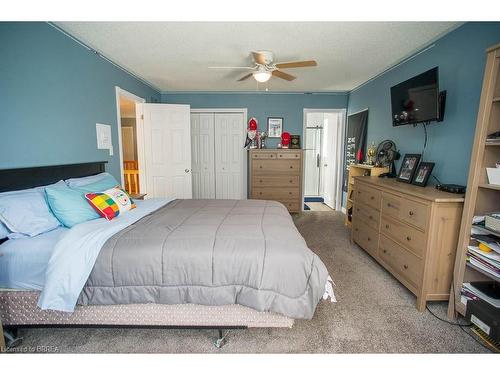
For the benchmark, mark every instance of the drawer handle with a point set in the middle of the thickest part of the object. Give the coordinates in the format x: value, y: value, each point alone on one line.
x: 370, y: 217
x: 291, y: 166
x: 291, y: 181
x: 405, y: 266
x: 386, y: 226
x: 355, y: 229
x: 260, y: 192
x: 411, y: 213
x: 272, y: 156
x: 372, y: 197
x: 408, y: 238
x: 290, y: 192
x: 369, y: 239
x: 384, y: 251
x: 260, y: 166
x: 389, y: 205
x: 281, y: 156
x: 260, y: 181
x: 357, y: 209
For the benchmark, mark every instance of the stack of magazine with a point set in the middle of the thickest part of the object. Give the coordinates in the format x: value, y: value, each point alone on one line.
x: 488, y: 262
x: 481, y: 290
x: 483, y: 255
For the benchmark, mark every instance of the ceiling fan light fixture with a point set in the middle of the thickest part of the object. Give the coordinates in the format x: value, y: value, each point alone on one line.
x: 262, y: 76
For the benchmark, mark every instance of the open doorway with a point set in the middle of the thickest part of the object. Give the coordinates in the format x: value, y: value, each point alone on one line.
x: 127, y: 135
x: 323, y: 144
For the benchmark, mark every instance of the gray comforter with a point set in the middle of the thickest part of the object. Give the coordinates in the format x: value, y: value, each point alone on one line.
x: 211, y: 252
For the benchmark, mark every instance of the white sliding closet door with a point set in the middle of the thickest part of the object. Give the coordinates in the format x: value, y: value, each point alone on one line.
x: 229, y: 156
x: 165, y: 150
x: 202, y: 155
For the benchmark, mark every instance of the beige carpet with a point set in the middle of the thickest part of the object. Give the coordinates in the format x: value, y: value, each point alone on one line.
x: 374, y: 314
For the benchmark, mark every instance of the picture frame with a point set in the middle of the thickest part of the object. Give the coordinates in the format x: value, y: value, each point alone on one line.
x: 274, y: 127
x: 408, y: 168
x: 295, y: 141
x: 423, y: 173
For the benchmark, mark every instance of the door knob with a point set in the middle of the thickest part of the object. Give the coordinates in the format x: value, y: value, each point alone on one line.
x: 186, y: 170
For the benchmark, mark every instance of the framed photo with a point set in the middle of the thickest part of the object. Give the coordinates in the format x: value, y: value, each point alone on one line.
x: 423, y: 173
x: 408, y: 168
x: 295, y: 141
x: 274, y: 127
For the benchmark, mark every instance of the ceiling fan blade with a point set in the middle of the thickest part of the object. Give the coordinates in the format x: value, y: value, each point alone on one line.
x: 231, y: 67
x: 283, y: 75
x: 245, y: 77
x: 296, y: 64
x: 259, y: 58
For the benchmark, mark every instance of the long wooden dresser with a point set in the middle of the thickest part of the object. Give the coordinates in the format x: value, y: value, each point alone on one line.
x: 411, y: 231
x: 276, y: 174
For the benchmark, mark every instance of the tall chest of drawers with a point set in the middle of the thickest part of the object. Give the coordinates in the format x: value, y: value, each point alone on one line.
x: 277, y: 175
x: 411, y: 231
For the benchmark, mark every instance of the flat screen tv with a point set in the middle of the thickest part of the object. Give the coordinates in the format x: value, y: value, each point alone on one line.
x: 416, y: 100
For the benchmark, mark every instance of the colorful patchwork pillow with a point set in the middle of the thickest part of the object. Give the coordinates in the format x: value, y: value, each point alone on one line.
x: 110, y: 203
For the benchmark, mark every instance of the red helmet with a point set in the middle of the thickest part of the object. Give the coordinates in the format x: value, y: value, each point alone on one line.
x: 252, y: 124
x: 285, y: 138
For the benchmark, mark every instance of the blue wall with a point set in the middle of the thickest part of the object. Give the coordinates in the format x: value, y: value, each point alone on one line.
x: 460, y: 56
x: 52, y: 93
x: 262, y: 105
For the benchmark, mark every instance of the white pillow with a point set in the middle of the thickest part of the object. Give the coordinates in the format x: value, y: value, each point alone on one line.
x: 26, y: 212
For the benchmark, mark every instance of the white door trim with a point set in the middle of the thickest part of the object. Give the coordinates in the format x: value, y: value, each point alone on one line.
x: 245, y: 120
x: 340, y: 151
x: 121, y: 92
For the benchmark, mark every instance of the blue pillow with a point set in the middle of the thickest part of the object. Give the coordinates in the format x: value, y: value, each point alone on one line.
x: 82, y: 181
x: 69, y: 205
x: 108, y: 182
x: 26, y: 213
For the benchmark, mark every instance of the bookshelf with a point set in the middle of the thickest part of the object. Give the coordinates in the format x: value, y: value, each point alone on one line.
x: 481, y: 197
x: 354, y: 171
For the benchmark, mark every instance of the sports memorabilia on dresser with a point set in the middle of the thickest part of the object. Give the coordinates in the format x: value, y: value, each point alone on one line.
x: 408, y: 167
x: 251, y: 133
x: 295, y: 141
x: 285, y: 140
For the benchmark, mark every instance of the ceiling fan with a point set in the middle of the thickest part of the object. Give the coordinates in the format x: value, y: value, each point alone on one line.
x: 264, y: 67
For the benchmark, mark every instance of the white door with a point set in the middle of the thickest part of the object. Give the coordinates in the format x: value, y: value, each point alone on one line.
x: 329, y: 158
x: 165, y: 150
x: 202, y: 155
x: 229, y: 156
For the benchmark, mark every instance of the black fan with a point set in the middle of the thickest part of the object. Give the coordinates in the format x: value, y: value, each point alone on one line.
x: 385, y: 156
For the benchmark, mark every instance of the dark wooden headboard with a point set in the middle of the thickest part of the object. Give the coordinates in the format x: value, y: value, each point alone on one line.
x: 25, y: 178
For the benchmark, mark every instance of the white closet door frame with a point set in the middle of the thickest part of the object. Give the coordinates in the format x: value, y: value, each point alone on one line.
x: 244, y: 111
x: 340, y: 150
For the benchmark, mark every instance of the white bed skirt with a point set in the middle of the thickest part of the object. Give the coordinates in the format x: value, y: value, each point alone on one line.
x: 19, y: 308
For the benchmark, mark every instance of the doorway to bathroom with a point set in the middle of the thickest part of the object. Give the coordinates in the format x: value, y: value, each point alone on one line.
x: 323, y: 145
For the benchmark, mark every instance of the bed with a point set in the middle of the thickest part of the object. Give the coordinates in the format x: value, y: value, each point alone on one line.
x: 202, y: 263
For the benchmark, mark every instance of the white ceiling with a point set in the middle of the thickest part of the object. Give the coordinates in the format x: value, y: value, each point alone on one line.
x: 175, y: 56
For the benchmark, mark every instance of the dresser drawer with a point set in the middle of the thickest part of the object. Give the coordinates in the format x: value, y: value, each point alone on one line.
x: 391, y: 205
x: 289, y: 155
x: 263, y: 155
x: 365, y: 236
x: 408, y: 236
x: 287, y: 167
x: 291, y: 205
x: 272, y: 181
x: 368, y: 195
x: 366, y: 213
x: 275, y: 194
x: 414, y: 213
x: 405, y: 264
